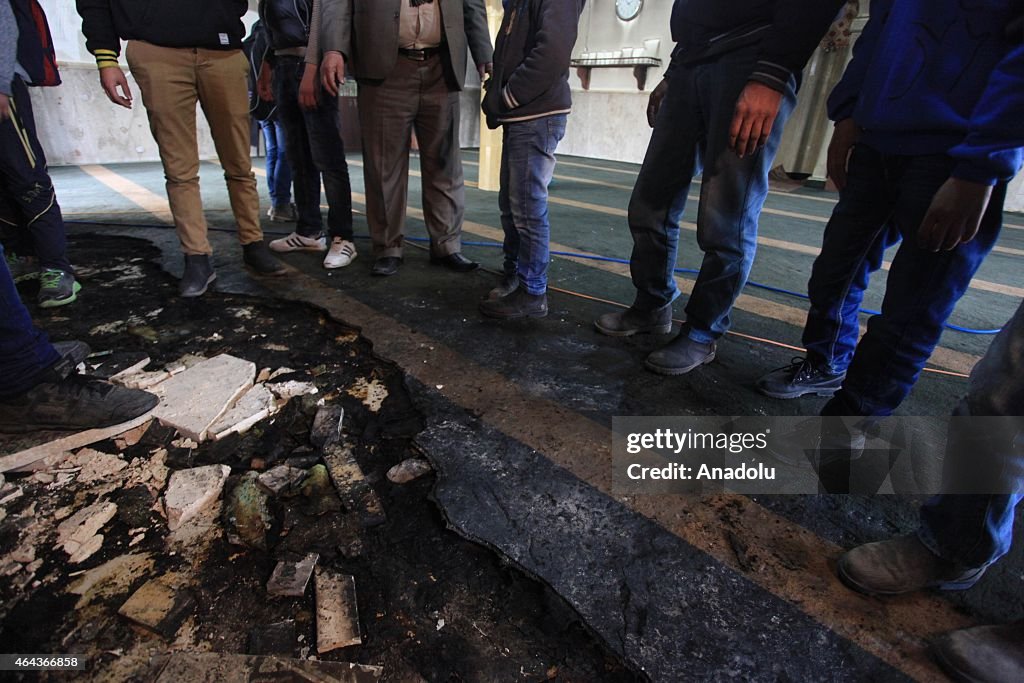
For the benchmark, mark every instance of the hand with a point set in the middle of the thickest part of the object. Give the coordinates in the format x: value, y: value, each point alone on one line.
x: 5, y: 107
x: 654, y: 101
x: 954, y: 215
x: 752, y: 123
x: 844, y: 137
x: 309, y: 89
x: 332, y: 71
x: 485, y: 71
x: 115, y: 85
x: 265, y: 83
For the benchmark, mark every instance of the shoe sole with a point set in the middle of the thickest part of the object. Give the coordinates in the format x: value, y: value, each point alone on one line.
x: 273, y: 273
x: 460, y: 269
x: 54, y: 303
x: 278, y: 219
x: 384, y: 273
x: 650, y: 329
x: 513, y: 317
x: 828, y: 393
x: 209, y: 281
x: 672, y: 372
x: 291, y: 250
x: 23, y: 428
x: 855, y: 585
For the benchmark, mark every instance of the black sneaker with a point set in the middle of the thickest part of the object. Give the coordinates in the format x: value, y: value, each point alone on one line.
x: 799, y: 378
x: 57, y: 288
x: 78, y: 403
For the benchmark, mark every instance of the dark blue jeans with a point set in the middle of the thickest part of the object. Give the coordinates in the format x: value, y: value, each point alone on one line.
x: 279, y: 173
x: 315, y: 148
x: 691, y: 135
x: 888, y: 193
x: 527, y: 164
x: 28, y: 203
x: 25, y: 352
x: 976, y: 530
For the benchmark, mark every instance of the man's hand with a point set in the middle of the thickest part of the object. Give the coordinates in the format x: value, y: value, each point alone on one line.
x: 309, y: 89
x: 115, y: 85
x: 332, y: 71
x: 265, y: 83
x: 752, y: 122
x: 954, y: 215
x: 844, y: 137
x: 654, y: 102
x: 485, y: 70
x: 5, y: 107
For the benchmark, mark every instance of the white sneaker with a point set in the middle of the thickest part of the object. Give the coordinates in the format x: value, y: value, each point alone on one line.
x: 341, y: 254
x: 296, y: 242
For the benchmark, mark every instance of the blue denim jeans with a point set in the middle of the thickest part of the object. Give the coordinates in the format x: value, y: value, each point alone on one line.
x: 527, y: 164
x: 691, y: 135
x: 279, y: 173
x: 28, y: 203
x: 885, y: 193
x: 315, y: 148
x: 25, y: 352
x: 976, y: 530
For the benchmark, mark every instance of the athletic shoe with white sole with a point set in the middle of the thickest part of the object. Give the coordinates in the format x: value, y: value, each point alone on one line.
x: 341, y: 253
x: 297, y: 242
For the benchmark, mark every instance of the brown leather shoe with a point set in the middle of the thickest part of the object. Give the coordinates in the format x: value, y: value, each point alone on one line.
x: 983, y: 654
x: 902, y: 565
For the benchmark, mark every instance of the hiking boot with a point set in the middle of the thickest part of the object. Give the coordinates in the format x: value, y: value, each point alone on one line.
x: 197, y: 276
x: 258, y: 257
x: 508, y: 284
x: 799, y: 378
x: 22, y: 267
x: 78, y: 402
x: 283, y: 214
x: 680, y: 356
x: 982, y: 654
x: 57, y: 288
x: 902, y: 565
x: 297, y: 242
x: 518, y: 304
x: 341, y: 253
x: 632, y: 321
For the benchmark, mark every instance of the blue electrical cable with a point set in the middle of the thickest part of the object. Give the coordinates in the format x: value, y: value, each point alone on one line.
x: 589, y: 257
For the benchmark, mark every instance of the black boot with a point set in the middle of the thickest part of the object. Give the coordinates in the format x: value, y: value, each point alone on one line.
x: 518, y: 304
x: 197, y: 276
x: 258, y: 257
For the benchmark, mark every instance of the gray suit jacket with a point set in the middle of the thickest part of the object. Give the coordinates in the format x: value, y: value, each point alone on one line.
x: 366, y: 32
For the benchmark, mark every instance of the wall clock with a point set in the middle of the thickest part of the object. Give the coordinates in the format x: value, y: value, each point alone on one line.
x: 627, y: 10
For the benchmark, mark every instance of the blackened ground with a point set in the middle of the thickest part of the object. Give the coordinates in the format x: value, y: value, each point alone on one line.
x: 431, y: 604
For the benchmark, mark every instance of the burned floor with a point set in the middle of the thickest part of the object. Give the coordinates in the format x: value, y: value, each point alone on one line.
x: 428, y: 604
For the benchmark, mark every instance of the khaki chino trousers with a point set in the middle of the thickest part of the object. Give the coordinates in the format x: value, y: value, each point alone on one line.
x: 173, y: 81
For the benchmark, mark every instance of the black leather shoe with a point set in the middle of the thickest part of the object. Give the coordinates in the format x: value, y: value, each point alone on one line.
x: 518, y: 304
x: 456, y: 262
x: 385, y: 266
x: 257, y: 256
x: 197, y: 276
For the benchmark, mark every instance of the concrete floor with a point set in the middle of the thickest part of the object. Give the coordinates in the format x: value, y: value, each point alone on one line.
x: 519, y: 419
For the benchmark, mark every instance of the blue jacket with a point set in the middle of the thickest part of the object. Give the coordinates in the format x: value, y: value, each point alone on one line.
x: 932, y: 77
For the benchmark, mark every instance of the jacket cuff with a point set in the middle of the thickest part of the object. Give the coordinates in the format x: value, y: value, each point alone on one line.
x: 508, y: 98
x: 105, y: 58
x: 773, y: 75
x: 975, y: 173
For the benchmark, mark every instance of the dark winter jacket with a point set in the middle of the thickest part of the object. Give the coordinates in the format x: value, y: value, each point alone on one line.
x: 287, y: 22
x: 531, y: 61
x: 785, y: 33
x: 35, y: 45
x: 210, y: 24
x: 931, y: 77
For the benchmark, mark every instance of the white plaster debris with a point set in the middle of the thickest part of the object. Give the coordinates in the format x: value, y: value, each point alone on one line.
x: 78, y: 534
x: 337, y: 614
x: 285, y: 391
x: 257, y: 403
x: 193, y: 400
x: 190, y: 491
x: 408, y: 470
x: 371, y: 393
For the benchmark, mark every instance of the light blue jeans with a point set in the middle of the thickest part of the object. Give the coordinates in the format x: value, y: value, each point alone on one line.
x: 527, y: 165
x: 976, y: 530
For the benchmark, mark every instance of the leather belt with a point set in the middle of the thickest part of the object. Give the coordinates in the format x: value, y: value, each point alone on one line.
x: 291, y: 52
x: 420, y: 55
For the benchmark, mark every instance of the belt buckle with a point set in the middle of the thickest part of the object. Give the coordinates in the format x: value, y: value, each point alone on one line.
x: 417, y: 55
